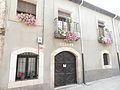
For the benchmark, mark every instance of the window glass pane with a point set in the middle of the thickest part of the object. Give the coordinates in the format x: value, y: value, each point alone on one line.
x: 31, y: 66
x: 21, y: 65
x: 101, y: 31
x: 60, y: 24
x: 101, y: 28
x: 21, y: 68
x: 106, y: 59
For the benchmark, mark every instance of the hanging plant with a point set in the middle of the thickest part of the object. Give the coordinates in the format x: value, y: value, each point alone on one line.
x: 71, y: 37
x: 31, y: 75
x: 106, y: 39
x: 28, y: 19
x: 62, y: 32
x: 68, y: 36
x: 69, y: 20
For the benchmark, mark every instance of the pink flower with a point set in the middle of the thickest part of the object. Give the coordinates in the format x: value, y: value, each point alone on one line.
x: 71, y: 36
x: 27, y: 18
x: 109, y: 41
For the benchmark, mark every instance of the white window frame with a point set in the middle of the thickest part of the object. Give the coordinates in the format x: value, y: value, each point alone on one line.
x: 12, y: 73
x: 110, y: 62
x: 13, y: 11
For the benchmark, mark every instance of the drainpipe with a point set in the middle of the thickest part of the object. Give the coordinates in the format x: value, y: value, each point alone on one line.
x: 43, y: 21
x: 83, y: 68
x: 115, y: 36
x: 42, y: 29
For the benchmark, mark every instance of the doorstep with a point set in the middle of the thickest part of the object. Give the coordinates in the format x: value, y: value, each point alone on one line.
x: 66, y: 86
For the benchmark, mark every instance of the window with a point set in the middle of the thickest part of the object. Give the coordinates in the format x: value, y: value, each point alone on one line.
x: 62, y: 21
x: 26, y: 66
x: 26, y: 7
x: 106, y: 59
x: 101, y: 28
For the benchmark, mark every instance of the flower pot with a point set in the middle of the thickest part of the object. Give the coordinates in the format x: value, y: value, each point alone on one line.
x: 57, y: 35
x: 31, y: 77
x: 22, y: 78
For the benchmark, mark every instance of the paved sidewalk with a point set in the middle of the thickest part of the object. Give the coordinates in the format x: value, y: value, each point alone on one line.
x: 104, y: 84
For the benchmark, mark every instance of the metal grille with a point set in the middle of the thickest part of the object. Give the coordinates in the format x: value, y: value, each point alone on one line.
x: 26, y: 66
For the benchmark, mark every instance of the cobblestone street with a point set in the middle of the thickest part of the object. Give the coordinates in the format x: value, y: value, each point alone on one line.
x: 104, y: 84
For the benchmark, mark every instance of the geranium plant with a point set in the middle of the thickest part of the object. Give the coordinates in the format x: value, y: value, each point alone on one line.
x: 106, y: 38
x: 71, y: 36
x: 31, y: 75
x: 69, y: 20
x: 28, y: 19
x: 21, y: 76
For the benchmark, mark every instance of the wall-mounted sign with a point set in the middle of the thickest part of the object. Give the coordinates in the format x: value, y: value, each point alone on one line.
x: 66, y: 44
x: 39, y: 40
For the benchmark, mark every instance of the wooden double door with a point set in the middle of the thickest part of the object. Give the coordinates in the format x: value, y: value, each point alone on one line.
x: 65, y: 69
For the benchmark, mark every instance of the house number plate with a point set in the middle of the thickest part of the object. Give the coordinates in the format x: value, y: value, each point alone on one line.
x: 64, y: 65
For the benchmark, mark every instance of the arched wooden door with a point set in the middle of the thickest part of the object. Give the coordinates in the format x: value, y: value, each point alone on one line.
x: 65, y: 69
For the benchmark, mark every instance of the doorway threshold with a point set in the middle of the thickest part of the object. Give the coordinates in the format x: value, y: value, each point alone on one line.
x: 66, y: 86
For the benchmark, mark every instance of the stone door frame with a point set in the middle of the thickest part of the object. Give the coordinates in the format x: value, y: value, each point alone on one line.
x: 78, y: 64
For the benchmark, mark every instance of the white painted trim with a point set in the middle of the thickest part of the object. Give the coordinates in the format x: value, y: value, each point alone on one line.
x: 78, y: 63
x: 12, y: 73
x: 110, y: 62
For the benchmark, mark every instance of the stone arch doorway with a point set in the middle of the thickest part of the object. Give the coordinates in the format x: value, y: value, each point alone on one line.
x: 78, y: 64
x: 65, y: 69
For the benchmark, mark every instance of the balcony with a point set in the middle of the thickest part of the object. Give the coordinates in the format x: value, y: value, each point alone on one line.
x: 68, y: 30
x: 106, y: 37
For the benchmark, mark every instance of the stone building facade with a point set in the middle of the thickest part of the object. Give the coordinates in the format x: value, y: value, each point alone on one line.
x: 2, y: 27
x: 48, y: 44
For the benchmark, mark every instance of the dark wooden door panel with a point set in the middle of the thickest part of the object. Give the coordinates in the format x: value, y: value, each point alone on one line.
x: 59, y: 68
x: 71, y: 79
x: 65, y: 69
x: 70, y: 68
x: 60, y: 79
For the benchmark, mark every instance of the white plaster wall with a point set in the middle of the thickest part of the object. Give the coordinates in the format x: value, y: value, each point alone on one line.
x: 68, y: 7
x: 2, y: 13
x: 1, y: 46
x: 117, y: 28
x: 91, y: 48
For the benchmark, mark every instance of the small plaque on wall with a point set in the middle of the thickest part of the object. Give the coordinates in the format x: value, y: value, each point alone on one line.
x: 66, y: 44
